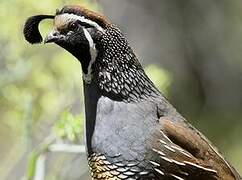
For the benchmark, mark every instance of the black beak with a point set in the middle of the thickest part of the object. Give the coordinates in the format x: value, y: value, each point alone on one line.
x: 53, y: 36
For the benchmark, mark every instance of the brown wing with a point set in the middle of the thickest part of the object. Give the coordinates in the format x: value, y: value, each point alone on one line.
x: 186, y: 154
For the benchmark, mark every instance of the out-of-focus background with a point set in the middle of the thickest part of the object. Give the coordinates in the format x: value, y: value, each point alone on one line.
x: 191, y: 49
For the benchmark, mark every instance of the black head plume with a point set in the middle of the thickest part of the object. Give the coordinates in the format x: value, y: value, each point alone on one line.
x: 31, y: 28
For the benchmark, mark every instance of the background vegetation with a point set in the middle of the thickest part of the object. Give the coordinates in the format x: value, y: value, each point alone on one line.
x: 191, y: 49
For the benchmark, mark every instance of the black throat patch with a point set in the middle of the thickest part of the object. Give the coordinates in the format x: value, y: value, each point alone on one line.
x: 79, y: 47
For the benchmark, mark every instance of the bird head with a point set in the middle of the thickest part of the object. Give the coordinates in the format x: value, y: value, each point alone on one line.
x: 76, y: 29
x: 100, y: 46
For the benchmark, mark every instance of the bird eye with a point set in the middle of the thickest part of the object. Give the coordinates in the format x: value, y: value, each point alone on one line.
x: 73, y: 26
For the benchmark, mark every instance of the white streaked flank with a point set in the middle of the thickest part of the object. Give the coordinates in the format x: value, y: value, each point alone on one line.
x: 216, y: 151
x: 178, y: 163
x: 181, y: 151
x: 169, y: 148
x: 177, y: 177
x: 159, y: 152
x: 154, y: 163
x: 186, y: 154
x: 167, y: 159
x: 177, y: 148
x: 200, y: 167
x: 161, y: 141
x: 184, y: 173
x: 165, y: 136
x: 159, y: 171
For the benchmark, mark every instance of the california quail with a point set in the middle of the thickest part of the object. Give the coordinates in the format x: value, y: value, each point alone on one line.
x: 132, y: 131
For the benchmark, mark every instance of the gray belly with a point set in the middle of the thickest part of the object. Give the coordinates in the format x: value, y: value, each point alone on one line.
x: 124, y: 129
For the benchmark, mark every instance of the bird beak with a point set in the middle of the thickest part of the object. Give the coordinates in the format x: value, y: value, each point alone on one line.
x: 52, y: 37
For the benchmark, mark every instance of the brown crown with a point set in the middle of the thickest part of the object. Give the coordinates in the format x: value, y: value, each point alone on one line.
x: 82, y: 11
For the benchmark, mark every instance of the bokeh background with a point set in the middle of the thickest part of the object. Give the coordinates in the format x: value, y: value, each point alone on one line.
x: 191, y: 49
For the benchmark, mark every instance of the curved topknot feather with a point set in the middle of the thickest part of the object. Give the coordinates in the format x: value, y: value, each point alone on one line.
x: 31, y: 28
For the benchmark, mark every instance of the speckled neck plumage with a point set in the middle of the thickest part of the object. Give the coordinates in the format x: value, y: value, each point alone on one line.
x: 119, y: 74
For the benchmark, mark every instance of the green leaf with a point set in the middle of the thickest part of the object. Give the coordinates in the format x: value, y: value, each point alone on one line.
x: 69, y: 126
x: 32, y: 164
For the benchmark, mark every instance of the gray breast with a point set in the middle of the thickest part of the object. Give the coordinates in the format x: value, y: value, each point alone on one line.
x: 124, y: 129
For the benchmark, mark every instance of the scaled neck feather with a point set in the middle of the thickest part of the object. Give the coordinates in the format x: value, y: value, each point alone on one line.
x: 119, y: 74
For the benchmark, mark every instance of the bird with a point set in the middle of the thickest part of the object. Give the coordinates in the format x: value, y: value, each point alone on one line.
x: 131, y: 130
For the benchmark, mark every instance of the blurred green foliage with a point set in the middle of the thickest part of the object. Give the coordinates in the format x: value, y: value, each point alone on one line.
x: 160, y: 77
x: 33, y: 157
x: 69, y: 127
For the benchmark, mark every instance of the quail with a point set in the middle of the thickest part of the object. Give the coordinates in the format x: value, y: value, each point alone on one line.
x: 131, y: 130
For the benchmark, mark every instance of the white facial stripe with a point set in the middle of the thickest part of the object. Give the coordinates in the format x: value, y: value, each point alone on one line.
x: 89, y: 38
x: 64, y: 19
x: 93, y: 53
x: 69, y: 17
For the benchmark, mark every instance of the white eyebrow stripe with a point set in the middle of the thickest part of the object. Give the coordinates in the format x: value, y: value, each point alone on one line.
x: 82, y: 19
